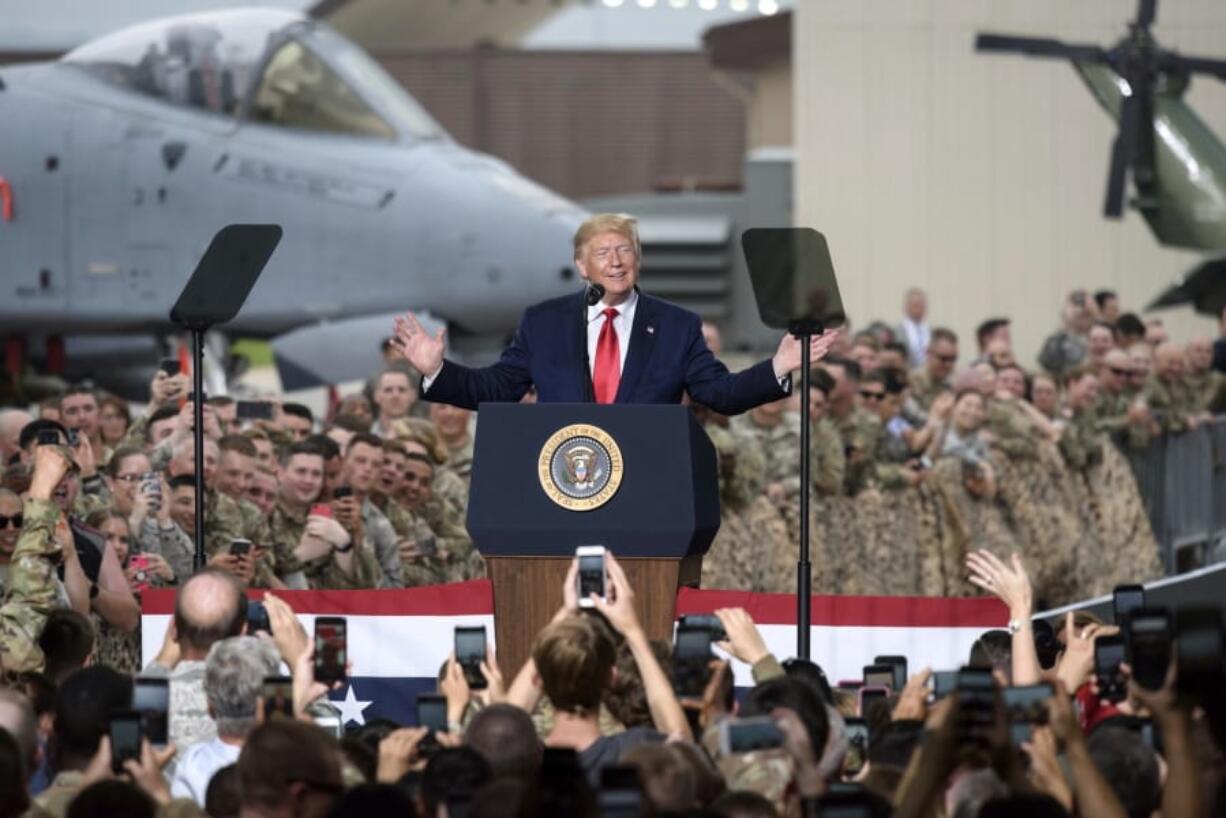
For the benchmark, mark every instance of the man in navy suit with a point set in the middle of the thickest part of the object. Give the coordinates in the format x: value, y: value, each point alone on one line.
x: 626, y: 348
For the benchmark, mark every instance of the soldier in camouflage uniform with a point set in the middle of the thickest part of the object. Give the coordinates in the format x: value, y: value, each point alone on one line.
x: 859, y: 429
x: 452, y: 425
x: 1202, y: 381
x: 1173, y: 405
x: 32, y: 583
x: 933, y: 378
x: 422, y: 478
x: 417, y: 543
x: 1121, y: 411
x: 1082, y: 441
x: 775, y: 432
x: 751, y: 551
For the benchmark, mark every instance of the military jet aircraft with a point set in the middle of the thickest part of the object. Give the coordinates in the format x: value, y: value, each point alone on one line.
x: 119, y: 162
x: 1177, y: 164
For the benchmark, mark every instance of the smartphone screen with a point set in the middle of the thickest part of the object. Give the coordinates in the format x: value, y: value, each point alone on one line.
x: 470, y: 653
x: 432, y: 712
x: 257, y: 617
x: 976, y: 703
x: 620, y: 794
x: 151, y: 698
x: 278, y: 696
x: 239, y: 547
x: 878, y: 676
x: 708, y: 622
x: 869, y: 696
x: 591, y: 576
x: 1149, y: 635
x: 1108, y: 654
x: 125, y: 732
x: 899, y: 666
x: 330, y: 649
x: 1025, y: 707
x: 692, y: 643
x: 1126, y: 599
x: 748, y: 735
x: 254, y: 410
x: 857, y: 745
x: 943, y: 683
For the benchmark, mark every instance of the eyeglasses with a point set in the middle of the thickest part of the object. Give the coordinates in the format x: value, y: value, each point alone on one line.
x: 16, y: 520
x: 130, y: 478
x: 868, y: 395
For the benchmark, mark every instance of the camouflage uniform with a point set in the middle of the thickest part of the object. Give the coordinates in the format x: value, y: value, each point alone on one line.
x: 827, y: 460
x: 750, y: 552
x: 460, y: 459
x: 1170, y: 403
x: 225, y: 520
x: 31, y: 588
x: 1204, y: 388
x: 380, y: 534
x: 418, y: 546
x: 445, y: 512
x: 325, y: 573
x: 779, y: 445
x: 1111, y: 416
x: 171, y: 544
x: 924, y: 389
x: 860, y: 431
x: 93, y: 496
x: 1014, y: 432
x: 1082, y: 440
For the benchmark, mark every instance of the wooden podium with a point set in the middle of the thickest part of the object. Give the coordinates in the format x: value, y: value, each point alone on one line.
x: 541, y: 488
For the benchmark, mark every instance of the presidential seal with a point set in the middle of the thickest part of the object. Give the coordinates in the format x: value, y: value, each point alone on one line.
x: 580, y: 467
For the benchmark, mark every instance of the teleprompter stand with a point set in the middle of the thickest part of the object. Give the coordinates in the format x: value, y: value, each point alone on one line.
x: 214, y: 294
x: 794, y: 285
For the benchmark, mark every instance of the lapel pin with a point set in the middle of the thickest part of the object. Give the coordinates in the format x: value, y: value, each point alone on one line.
x: 651, y: 330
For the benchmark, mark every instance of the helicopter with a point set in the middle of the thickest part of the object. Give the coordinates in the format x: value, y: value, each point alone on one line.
x: 1176, y: 163
x: 120, y: 160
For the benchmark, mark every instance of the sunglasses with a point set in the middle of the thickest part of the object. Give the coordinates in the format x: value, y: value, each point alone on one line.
x: 16, y: 520
x: 871, y: 395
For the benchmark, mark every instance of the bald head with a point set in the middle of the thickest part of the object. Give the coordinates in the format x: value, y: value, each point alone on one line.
x: 12, y: 421
x: 1168, y: 360
x: 1200, y: 355
x: 210, y: 607
x: 1117, y: 359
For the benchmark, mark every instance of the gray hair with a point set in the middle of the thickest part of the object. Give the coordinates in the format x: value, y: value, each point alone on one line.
x: 233, y: 679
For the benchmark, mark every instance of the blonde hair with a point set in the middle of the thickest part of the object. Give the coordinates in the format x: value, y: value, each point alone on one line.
x: 620, y: 223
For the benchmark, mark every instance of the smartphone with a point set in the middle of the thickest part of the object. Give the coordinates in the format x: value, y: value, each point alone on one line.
x: 278, y: 697
x: 341, y: 492
x: 943, y: 683
x: 899, y: 665
x: 856, y: 729
x: 840, y: 805
x: 1108, y: 654
x: 240, y: 547
x: 126, y: 734
x: 74, y: 438
x: 592, y: 574
x: 151, y: 699
x: 691, y: 661
x: 1126, y: 599
x: 976, y: 691
x: 747, y: 735
x: 621, y: 792
x: 170, y: 366
x: 257, y: 618
x: 879, y: 676
x: 708, y: 622
x: 1025, y: 707
x: 49, y: 437
x: 470, y: 653
x: 432, y: 712
x: 332, y: 725
x: 1149, y: 646
x: 851, y: 685
x: 321, y: 510
x: 254, y: 410
x: 331, y: 650
x: 869, y: 696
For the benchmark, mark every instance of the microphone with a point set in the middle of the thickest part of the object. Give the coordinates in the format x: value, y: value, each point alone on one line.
x: 593, y: 294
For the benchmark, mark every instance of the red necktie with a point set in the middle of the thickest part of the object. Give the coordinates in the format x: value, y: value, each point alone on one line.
x: 607, y: 372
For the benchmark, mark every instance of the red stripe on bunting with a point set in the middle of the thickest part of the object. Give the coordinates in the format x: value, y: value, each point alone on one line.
x: 851, y: 611
x: 473, y: 598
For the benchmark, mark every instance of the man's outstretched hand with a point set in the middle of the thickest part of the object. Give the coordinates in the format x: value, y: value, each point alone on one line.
x: 787, y: 357
x: 421, y: 349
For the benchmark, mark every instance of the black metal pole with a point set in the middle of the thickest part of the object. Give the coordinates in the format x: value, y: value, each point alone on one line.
x: 804, y: 588
x: 198, y: 435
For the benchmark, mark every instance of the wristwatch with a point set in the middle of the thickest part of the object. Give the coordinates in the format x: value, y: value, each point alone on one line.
x: 1014, y: 626
x: 344, y: 549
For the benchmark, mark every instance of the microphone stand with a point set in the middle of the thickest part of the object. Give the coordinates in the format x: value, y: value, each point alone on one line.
x: 591, y: 297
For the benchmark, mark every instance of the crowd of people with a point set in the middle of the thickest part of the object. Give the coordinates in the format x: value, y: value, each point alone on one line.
x: 926, y: 476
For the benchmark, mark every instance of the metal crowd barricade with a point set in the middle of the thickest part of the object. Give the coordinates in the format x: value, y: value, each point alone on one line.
x: 1182, y: 481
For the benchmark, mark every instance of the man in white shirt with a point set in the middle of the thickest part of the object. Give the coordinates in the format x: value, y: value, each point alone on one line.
x: 914, y: 330
x: 234, y: 675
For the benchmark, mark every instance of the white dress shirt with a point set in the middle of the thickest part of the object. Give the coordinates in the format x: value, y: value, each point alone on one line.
x: 916, y: 334
x: 622, y: 324
x: 196, y: 767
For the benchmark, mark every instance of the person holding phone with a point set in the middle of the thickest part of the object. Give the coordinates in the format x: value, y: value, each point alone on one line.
x: 573, y: 665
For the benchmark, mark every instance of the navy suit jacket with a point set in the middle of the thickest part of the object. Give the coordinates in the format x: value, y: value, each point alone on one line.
x: 667, y: 357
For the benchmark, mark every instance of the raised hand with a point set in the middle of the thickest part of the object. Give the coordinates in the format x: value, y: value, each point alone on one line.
x: 1009, y: 583
x: 787, y: 356
x: 421, y: 349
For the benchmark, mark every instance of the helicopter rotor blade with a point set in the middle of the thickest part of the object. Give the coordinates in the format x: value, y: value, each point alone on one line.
x: 1123, y: 152
x: 1040, y: 47
x: 1146, y: 12
x: 1178, y: 63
